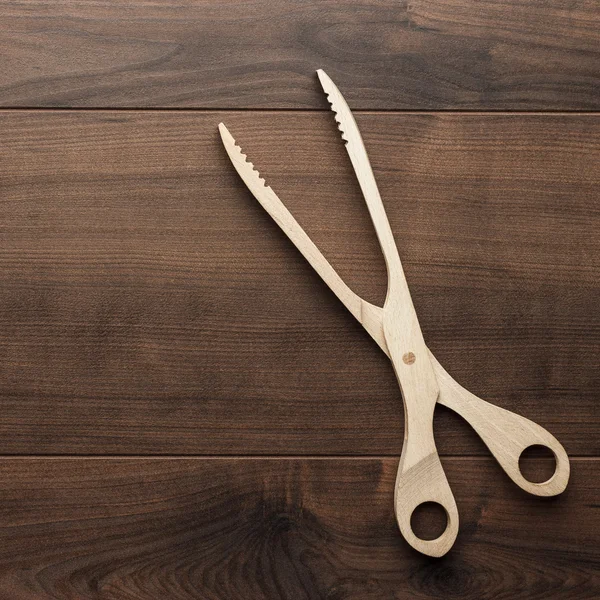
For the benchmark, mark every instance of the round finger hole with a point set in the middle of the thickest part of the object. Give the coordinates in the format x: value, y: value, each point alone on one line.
x: 537, y: 463
x: 429, y: 521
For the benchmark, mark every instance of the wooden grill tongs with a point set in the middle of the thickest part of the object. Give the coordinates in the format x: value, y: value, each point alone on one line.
x: 423, y: 381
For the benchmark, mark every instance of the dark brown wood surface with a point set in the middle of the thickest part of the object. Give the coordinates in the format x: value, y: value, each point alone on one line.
x: 186, y: 410
x: 121, y: 529
x: 392, y: 54
x: 150, y: 305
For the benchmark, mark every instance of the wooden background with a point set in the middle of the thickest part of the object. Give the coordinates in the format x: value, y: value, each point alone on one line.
x: 187, y: 411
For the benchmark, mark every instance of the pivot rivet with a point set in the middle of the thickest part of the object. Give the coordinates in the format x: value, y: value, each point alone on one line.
x: 409, y: 358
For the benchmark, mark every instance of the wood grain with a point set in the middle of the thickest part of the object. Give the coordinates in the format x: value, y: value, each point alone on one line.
x: 149, y: 305
x: 425, y: 54
x: 234, y: 529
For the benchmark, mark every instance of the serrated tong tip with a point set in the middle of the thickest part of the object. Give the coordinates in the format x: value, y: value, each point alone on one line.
x: 238, y: 158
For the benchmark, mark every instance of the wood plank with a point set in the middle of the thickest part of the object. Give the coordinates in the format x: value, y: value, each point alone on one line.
x: 149, y: 305
x: 386, y: 54
x: 228, y: 529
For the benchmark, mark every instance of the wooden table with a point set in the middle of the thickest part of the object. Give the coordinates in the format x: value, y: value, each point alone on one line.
x: 187, y: 411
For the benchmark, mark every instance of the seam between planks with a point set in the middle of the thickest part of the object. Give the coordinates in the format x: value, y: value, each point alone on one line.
x: 408, y: 111
x: 323, y: 457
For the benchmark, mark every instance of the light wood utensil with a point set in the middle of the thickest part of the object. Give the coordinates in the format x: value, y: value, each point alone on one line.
x: 395, y: 328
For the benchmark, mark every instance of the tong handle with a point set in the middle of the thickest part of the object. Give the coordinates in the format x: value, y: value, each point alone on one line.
x: 421, y: 477
x: 505, y: 433
x: 423, y: 481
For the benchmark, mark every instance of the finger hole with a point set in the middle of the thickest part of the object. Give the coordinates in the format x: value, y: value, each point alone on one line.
x: 537, y: 463
x: 429, y: 521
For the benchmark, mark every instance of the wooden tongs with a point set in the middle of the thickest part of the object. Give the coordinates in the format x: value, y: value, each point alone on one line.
x: 423, y: 381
